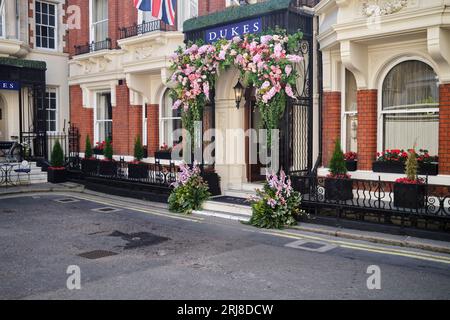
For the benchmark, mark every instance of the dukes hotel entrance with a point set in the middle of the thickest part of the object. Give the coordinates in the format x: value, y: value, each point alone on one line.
x: 296, y: 154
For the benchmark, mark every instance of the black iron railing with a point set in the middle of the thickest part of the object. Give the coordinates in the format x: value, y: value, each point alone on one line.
x: 143, y: 28
x: 93, y: 46
x: 157, y: 173
x: 376, y: 197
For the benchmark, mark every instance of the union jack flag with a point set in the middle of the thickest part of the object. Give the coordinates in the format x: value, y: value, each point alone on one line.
x: 161, y: 9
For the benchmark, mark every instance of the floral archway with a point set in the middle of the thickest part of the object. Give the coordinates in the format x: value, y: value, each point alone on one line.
x: 264, y: 61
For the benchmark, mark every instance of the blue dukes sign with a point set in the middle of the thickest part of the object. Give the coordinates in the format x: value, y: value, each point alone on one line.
x: 9, y: 85
x: 237, y: 29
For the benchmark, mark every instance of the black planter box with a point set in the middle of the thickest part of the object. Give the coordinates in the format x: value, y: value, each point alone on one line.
x: 137, y: 171
x: 56, y: 176
x: 89, y: 166
x: 163, y: 155
x: 410, y: 196
x: 97, y: 152
x: 338, y: 189
x: 108, y: 168
x: 428, y: 169
x: 213, y: 181
x: 388, y: 167
x: 425, y: 169
x: 352, y: 165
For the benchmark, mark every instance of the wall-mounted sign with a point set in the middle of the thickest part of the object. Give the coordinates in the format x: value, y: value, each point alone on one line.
x: 9, y: 85
x: 232, y: 30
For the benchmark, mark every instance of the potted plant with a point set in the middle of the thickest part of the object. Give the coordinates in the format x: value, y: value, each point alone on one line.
x: 108, y: 167
x: 136, y: 168
x: 190, y: 191
x: 277, y: 205
x: 338, y: 186
x: 164, y: 153
x: 410, y: 192
x: 99, y: 148
x: 57, y: 173
x: 351, y: 161
x: 428, y: 165
x: 390, y: 161
x: 89, y: 165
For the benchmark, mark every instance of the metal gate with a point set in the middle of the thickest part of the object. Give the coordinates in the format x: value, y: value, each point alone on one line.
x: 296, y: 126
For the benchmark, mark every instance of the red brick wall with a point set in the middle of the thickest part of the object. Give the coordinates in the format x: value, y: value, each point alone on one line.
x: 444, y: 129
x: 82, y: 118
x: 79, y: 36
x: 209, y: 6
x: 367, y: 128
x: 152, y: 128
x: 331, y: 123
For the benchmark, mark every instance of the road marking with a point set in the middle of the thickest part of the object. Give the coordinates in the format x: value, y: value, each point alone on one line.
x: 400, y: 251
x: 349, y: 245
x: 152, y: 212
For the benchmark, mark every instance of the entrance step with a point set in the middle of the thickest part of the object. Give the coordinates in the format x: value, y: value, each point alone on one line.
x: 228, y: 206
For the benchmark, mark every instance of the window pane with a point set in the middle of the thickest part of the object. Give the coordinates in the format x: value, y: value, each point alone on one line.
x: 403, y: 131
x: 350, y: 92
x: 352, y: 133
x: 409, y: 85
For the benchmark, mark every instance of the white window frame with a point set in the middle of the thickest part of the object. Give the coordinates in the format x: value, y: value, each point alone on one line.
x: 382, y: 113
x: 163, y: 119
x: 56, y: 110
x: 144, y: 125
x: 92, y: 24
x: 96, y: 122
x: 3, y: 16
x: 344, y: 112
x: 40, y: 24
x: 185, y: 11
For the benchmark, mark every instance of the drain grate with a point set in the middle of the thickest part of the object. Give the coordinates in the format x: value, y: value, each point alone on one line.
x: 68, y: 200
x: 140, y: 239
x: 314, y: 246
x: 97, y: 254
x: 107, y: 210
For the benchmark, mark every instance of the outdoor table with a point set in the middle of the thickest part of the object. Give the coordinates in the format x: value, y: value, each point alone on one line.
x: 6, y: 170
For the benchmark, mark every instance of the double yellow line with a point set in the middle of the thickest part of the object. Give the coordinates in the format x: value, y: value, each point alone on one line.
x: 363, y: 247
x: 121, y: 205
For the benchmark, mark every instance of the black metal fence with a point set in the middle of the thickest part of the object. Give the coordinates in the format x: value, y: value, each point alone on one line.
x: 93, y: 46
x: 376, y: 197
x: 157, y: 174
x: 142, y: 28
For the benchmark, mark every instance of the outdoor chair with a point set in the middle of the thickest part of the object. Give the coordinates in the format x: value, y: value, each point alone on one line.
x: 23, y: 169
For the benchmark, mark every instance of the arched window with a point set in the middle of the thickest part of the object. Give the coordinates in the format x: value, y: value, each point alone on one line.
x: 169, y: 120
x: 410, y: 107
x: 350, y: 123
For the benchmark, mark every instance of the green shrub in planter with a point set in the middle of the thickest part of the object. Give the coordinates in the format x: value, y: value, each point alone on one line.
x: 57, y: 172
x: 190, y: 191
x: 88, y: 149
x: 338, y: 186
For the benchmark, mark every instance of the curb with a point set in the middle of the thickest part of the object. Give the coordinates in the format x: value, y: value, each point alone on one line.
x: 387, y: 241
x: 41, y: 190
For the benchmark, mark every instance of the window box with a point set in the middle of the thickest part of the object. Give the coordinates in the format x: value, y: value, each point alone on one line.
x: 98, y: 152
x: 137, y: 171
x: 388, y: 167
x: 410, y: 196
x: 89, y: 166
x: 338, y: 189
x: 425, y: 169
x: 163, y: 155
x: 108, y: 168
x: 56, y: 175
x: 352, y: 165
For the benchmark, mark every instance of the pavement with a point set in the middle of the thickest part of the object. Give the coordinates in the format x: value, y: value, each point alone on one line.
x: 160, y: 255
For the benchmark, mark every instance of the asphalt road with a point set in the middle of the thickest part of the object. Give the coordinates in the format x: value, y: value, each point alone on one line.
x: 171, y: 257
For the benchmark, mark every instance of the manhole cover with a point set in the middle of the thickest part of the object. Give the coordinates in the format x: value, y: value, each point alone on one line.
x: 140, y: 239
x: 107, y: 210
x: 8, y: 211
x: 314, y: 246
x: 67, y: 200
x: 97, y: 254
